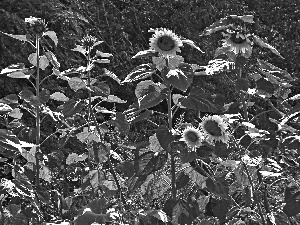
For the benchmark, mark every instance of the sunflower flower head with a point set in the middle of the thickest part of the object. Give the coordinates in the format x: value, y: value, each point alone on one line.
x: 215, y: 128
x: 165, y: 42
x: 238, y: 41
x: 88, y: 41
x: 192, y: 137
x: 36, y: 25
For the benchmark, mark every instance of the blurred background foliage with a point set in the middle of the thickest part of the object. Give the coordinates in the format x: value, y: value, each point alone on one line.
x: 123, y: 26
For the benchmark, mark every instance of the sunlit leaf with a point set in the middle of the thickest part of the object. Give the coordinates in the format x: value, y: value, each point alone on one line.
x: 140, y: 72
x: 74, y: 158
x: 76, y: 83
x: 52, y: 35
x: 191, y: 43
x: 145, y: 53
x: 263, y: 44
x: 19, y: 37
x: 58, y: 96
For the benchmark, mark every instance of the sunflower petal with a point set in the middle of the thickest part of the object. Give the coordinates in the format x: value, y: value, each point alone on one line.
x: 191, y: 43
x: 263, y: 44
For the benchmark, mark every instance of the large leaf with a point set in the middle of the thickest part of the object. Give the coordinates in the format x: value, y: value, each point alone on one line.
x: 216, y: 26
x: 263, y: 44
x: 146, y: 53
x: 283, y: 74
x: 149, y: 94
x: 76, y: 83
x: 264, y: 85
x: 72, y: 107
x: 292, y: 199
x: 52, y: 35
x: 201, y: 101
x: 101, y: 88
x: 9, y: 143
x: 120, y: 122
x: 19, y: 37
x: 164, y: 136
x: 177, y: 78
x: 140, y: 72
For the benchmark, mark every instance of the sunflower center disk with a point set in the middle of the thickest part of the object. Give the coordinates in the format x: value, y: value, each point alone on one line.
x: 213, y: 128
x: 237, y: 40
x: 192, y: 137
x: 166, y: 43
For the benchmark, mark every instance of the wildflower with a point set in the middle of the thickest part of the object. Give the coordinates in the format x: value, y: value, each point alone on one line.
x: 215, y: 128
x: 88, y: 41
x: 238, y: 42
x: 37, y: 25
x: 192, y: 137
x: 165, y: 42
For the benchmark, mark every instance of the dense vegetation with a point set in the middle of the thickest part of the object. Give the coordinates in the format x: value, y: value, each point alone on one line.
x: 99, y: 126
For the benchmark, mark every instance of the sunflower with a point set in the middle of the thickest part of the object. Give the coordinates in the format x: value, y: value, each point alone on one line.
x: 165, y: 42
x: 192, y: 137
x: 214, y: 128
x: 238, y: 42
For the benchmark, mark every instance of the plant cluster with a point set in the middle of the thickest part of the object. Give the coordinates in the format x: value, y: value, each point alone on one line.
x: 230, y: 165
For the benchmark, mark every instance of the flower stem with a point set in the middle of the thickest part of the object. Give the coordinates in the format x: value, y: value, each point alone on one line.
x: 252, y: 186
x: 89, y: 88
x: 243, y: 98
x: 173, y: 172
x: 37, y: 121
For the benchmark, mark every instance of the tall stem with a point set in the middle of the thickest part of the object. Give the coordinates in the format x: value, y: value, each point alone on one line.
x: 173, y: 172
x: 89, y: 88
x: 243, y: 98
x: 37, y: 120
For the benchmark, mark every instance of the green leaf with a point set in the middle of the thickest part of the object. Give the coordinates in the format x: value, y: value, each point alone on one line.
x: 263, y: 44
x: 182, y: 180
x: 159, y: 214
x: 120, y: 122
x: 145, y: 53
x: 13, y: 68
x: 43, y: 61
x: 44, y: 96
x: 16, y: 113
x: 72, y: 107
x: 144, y: 115
x: 140, y: 72
x: 88, y: 136
x: 101, y: 88
x: 52, y: 59
x: 241, y: 84
x: 52, y: 35
x: 245, y: 18
x: 222, y: 24
x: 80, y: 49
x: 220, y: 208
x: 4, y: 108
x: 9, y: 143
x: 18, y: 75
x: 292, y: 199
x: 58, y: 96
x: 156, y: 162
x: 283, y: 74
x: 177, y: 78
x: 201, y: 101
x: 149, y: 94
x: 19, y: 37
x: 164, y: 136
x: 192, y: 44
x: 111, y: 75
x: 76, y: 83
x: 29, y: 97
x: 264, y: 85
x: 219, y: 186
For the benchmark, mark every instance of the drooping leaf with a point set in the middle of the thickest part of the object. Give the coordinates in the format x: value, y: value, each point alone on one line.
x: 216, y: 26
x: 145, y: 53
x: 245, y: 18
x: 29, y: 97
x: 140, y: 72
x: 283, y: 74
x: 111, y: 75
x: 192, y: 44
x: 52, y: 59
x: 263, y: 44
x: 4, y: 108
x: 18, y: 37
x: 52, y: 35
x: 9, y: 143
x: 80, y: 49
x: 265, y: 85
x: 177, y: 78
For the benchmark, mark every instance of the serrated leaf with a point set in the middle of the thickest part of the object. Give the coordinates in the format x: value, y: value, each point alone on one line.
x: 263, y: 44
x: 111, y: 75
x: 58, y: 96
x: 52, y: 35
x: 140, y: 72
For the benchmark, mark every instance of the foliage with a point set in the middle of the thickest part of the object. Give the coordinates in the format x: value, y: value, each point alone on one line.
x: 190, y: 118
